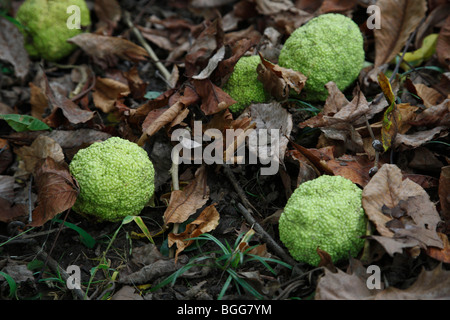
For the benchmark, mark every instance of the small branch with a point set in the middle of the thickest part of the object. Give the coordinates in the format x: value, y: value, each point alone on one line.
x: 265, y: 236
x: 238, y: 188
x: 79, y: 293
x: 140, y: 38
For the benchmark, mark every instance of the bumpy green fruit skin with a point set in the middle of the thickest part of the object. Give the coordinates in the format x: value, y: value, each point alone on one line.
x: 116, y: 179
x: 46, y: 30
x: 327, y: 213
x: 243, y: 85
x: 327, y: 48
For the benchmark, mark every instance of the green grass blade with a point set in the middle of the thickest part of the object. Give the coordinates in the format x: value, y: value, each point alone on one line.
x: 11, y: 283
x: 85, y: 237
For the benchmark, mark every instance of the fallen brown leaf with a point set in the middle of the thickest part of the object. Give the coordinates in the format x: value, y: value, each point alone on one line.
x: 442, y: 46
x: 429, y: 96
x: 400, y: 19
x: 7, y: 187
x: 71, y: 111
x: 184, y: 203
x: 416, y: 227
x: 207, y: 221
x: 353, y: 167
x: 418, y: 138
x: 340, y: 285
x: 267, y: 117
x: 312, y: 159
x: 213, y: 98
x: 438, y: 115
x: 158, y: 118
x: 279, y: 81
x: 57, y: 191
x: 107, y: 91
x: 136, y: 116
x: 137, y: 86
x: 226, y: 66
x: 13, y: 49
x: 203, y: 48
x: 212, y: 65
x: 106, y: 49
x: 337, y: 109
x: 38, y: 101
x: 40, y: 149
x: 108, y: 13
x: 440, y: 254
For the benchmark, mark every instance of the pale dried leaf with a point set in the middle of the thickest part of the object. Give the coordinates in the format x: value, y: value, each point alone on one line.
x: 399, y: 19
x: 104, y: 49
x: 386, y: 188
x: 12, y: 48
x: 7, y: 187
x: 278, y: 81
x: 268, y: 117
x: 207, y: 221
x: 430, y: 285
x: 416, y: 224
x: 418, y: 138
x: 41, y: 148
x: 212, y: 64
x: 107, y: 91
x: 184, y: 203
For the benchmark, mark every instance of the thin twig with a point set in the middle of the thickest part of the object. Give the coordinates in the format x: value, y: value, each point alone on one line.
x: 54, y: 243
x: 146, y: 46
x: 238, y: 188
x: 399, y: 62
x: 265, y: 236
x: 78, y: 292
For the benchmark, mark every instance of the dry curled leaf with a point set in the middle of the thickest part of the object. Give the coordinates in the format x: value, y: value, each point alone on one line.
x: 279, y: 81
x: 399, y: 19
x: 268, y: 117
x: 105, y: 49
x: 442, y: 46
x: 213, y: 98
x: 415, y: 227
x: 158, y: 118
x: 207, y: 221
x: 429, y: 285
x: 40, y: 149
x: 184, y: 203
x: 57, y: 190
x: 107, y: 91
x: 13, y: 49
x: 71, y: 111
